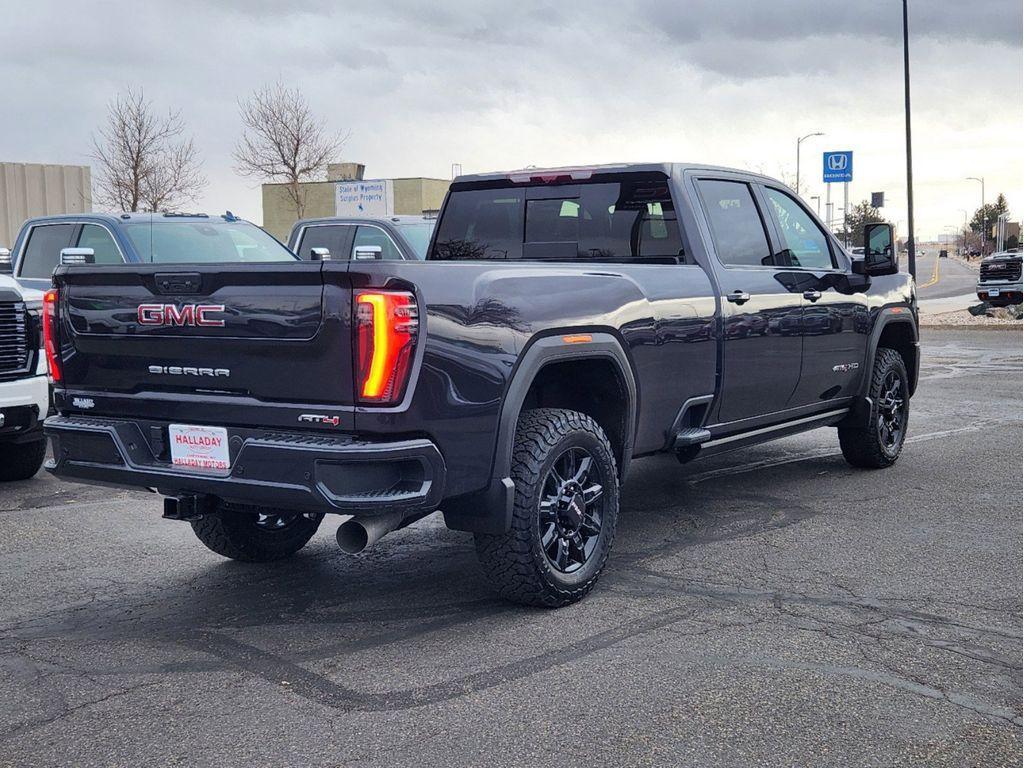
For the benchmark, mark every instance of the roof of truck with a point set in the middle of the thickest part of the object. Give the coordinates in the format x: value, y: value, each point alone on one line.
x: 583, y: 172
x: 125, y: 218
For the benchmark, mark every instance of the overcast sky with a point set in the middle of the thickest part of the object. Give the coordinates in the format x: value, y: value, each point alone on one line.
x: 498, y: 86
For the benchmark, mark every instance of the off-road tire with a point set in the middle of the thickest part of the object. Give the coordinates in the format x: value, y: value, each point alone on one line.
x: 515, y: 561
x: 21, y: 461
x: 862, y: 444
x: 236, y: 535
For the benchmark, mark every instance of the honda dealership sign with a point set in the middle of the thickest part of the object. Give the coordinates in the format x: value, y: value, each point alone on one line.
x: 364, y: 198
x: 838, y: 166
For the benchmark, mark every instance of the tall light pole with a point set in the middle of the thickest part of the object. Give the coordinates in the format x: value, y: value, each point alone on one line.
x: 798, y: 143
x: 817, y: 204
x: 981, y: 210
x: 964, y: 212
x: 911, y: 260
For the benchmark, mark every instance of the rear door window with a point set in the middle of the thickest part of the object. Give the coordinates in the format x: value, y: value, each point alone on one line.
x: 334, y: 237
x: 102, y: 243
x: 42, y: 251
x: 736, y: 226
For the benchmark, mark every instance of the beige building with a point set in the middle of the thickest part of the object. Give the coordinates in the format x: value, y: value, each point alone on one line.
x: 33, y: 189
x: 347, y: 193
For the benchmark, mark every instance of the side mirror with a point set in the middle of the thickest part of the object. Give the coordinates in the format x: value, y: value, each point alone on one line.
x: 367, y: 252
x: 6, y: 267
x: 319, y: 254
x: 879, y: 250
x: 77, y: 256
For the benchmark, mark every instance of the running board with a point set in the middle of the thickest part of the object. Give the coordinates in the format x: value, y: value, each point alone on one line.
x: 774, y: 432
x: 687, y: 438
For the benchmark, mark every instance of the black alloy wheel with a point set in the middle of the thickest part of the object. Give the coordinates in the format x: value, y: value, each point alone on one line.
x: 892, y: 403
x: 571, y: 510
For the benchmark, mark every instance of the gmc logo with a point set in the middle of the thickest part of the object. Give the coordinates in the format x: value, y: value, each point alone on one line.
x: 187, y: 314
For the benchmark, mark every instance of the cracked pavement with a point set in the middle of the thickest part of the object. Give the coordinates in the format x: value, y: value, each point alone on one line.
x: 766, y: 607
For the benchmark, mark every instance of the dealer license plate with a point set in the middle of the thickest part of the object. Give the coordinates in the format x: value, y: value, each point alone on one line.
x: 204, y: 448
x: 993, y: 294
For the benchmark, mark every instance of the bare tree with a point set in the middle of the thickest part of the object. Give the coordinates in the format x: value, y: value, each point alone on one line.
x: 144, y: 163
x: 283, y: 142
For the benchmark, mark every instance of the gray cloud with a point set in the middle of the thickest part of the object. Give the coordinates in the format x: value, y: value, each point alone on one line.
x: 497, y: 85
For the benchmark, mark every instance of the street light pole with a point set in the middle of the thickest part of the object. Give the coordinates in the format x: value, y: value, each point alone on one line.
x: 966, y: 255
x: 911, y: 260
x: 981, y: 210
x: 800, y: 141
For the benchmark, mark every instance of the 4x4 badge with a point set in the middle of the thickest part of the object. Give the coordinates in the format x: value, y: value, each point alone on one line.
x: 319, y: 418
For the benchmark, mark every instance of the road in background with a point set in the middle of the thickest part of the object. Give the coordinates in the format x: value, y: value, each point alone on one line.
x: 768, y: 607
x: 953, y: 278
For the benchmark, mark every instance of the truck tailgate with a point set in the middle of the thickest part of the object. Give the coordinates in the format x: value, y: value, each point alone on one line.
x: 239, y: 340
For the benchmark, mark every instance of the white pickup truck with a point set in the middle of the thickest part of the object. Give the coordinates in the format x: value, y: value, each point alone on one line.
x: 24, y: 386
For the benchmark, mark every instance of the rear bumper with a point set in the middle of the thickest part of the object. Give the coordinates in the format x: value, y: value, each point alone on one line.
x: 285, y: 470
x: 1010, y: 292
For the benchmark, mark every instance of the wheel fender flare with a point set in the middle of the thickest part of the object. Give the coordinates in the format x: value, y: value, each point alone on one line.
x: 888, y: 316
x: 490, y: 511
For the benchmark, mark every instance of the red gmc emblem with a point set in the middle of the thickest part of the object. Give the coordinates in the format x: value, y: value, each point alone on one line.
x: 186, y: 314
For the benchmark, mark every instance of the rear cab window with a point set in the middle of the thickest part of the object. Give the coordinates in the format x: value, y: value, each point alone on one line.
x: 616, y: 218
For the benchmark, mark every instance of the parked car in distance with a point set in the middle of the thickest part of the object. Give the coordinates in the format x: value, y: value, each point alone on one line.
x: 24, y: 387
x: 362, y: 239
x: 137, y: 238
x: 999, y: 282
x: 943, y: 254
x: 564, y: 322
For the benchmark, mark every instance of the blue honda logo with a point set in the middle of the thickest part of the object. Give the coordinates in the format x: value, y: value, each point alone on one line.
x: 838, y: 166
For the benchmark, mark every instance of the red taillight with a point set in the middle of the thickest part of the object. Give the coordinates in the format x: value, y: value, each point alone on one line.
x: 386, y: 327
x: 50, y: 342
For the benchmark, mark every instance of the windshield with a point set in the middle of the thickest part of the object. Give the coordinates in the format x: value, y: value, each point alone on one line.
x: 196, y: 242
x: 418, y: 235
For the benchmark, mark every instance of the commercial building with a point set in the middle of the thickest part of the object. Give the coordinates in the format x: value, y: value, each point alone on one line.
x: 34, y: 189
x: 347, y: 193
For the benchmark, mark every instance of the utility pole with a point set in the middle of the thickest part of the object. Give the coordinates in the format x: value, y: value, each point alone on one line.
x: 911, y: 259
x: 800, y: 141
x: 817, y: 204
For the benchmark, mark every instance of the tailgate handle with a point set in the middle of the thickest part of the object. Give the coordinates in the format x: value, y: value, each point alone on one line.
x: 179, y: 282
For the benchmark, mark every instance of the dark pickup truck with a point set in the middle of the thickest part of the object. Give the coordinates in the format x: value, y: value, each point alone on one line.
x: 565, y: 322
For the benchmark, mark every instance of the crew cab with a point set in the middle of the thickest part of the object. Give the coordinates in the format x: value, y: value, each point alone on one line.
x: 135, y: 238
x: 24, y: 390
x: 564, y: 323
x: 999, y: 281
x: 362, y: 239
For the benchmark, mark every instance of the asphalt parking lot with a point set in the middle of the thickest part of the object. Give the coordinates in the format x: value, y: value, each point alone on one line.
x: 768, y: 607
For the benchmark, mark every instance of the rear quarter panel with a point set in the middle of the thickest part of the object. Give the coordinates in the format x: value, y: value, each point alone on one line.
x: 480, y: 317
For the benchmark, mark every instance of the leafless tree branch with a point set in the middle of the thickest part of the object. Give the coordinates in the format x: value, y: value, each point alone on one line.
x: 283, y: 142
x: 144, y: 164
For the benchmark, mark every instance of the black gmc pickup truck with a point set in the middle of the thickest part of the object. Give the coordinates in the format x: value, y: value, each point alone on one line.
x: 565, y: 322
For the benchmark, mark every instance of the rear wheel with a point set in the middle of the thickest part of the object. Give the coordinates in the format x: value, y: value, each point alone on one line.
x: 254, y: 535
x: 878, y: 443
x: 20, y: 461
x: 563, y: 519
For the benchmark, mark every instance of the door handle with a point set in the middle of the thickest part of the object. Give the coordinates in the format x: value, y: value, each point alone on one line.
x: 812, y: 295
x: 738, y: 297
